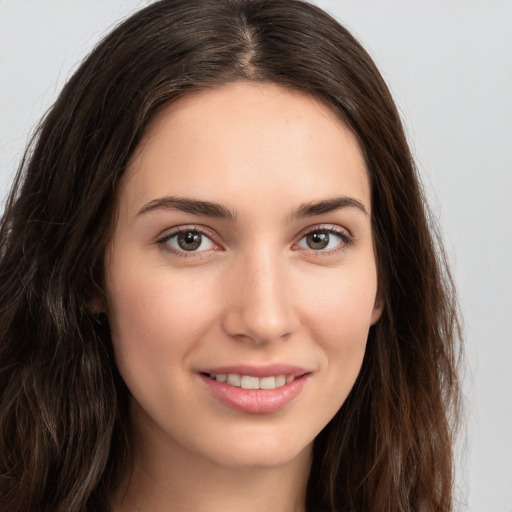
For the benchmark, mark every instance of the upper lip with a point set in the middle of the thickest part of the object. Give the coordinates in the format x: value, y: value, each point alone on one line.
x: 257, y: 370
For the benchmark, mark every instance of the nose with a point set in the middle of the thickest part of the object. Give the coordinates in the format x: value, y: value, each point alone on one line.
x: 260, y: 308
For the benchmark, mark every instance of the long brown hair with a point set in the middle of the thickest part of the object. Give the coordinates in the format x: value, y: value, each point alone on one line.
x: 63, y: 406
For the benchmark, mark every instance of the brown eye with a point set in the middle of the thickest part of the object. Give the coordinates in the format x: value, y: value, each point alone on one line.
x: 317, y: 240
x: 326, y: 240
x: 190, y: 240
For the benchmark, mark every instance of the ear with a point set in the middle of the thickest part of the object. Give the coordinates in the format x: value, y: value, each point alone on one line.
x: 378, y: 308
x: 98, y: 305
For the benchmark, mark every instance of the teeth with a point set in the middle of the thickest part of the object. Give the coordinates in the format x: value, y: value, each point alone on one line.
x: 234, y: 380
x: 250, y: 382
x: 268, y: 383
x: 280, y: 380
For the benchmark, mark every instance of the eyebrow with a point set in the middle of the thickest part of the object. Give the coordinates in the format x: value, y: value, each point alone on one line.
x: 327, y: 206
x: 194, y: 206
x: 216, y: 210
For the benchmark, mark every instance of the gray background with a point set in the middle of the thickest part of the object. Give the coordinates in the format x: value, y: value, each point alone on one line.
x: 449, y: 65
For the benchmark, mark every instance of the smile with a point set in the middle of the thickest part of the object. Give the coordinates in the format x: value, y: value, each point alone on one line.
x: 251, y: 382
x: 253, y: 389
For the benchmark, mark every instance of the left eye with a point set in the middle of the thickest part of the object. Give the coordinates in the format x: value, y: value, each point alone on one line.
x: 189, y: 241
x: 320, y: 240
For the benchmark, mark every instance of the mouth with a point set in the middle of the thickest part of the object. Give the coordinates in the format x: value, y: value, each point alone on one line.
x: 252, y: 382
x: 255, y: 390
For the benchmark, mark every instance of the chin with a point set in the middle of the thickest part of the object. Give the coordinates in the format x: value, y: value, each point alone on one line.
x: 265, y: 454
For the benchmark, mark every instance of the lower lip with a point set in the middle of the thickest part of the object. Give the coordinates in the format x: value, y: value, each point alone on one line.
x: 255, y: 401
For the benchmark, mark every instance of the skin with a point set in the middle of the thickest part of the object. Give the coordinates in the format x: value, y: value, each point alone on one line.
x: 253, y: 293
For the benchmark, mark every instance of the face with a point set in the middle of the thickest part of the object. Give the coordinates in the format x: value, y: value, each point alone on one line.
x: 241, y: 278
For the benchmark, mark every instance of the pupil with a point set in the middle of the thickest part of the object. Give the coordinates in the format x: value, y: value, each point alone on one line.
x: 318, y: 240
x: 189, y: 241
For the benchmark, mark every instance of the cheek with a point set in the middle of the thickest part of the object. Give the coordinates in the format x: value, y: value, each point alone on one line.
x: 339, y: 319
x: 340, y: 307
x: 155, y: 319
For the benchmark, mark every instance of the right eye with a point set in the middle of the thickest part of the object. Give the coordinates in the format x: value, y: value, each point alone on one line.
x: 187, y: 240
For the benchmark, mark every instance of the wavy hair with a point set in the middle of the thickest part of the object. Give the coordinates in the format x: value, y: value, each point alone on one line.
x: 63, y: 406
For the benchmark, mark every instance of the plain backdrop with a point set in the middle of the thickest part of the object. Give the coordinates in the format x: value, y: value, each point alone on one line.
x: 449, y: 66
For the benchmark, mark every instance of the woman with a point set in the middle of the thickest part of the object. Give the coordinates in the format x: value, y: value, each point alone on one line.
x: 220, y: 288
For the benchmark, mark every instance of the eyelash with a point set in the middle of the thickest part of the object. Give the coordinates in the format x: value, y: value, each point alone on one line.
x: 163, y: 242
x: 346, y: 241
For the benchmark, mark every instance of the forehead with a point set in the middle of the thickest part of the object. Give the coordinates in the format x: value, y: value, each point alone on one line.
x: 244, y: 136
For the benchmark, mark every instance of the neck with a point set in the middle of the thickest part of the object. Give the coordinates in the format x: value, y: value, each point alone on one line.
x: 166, y: 477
